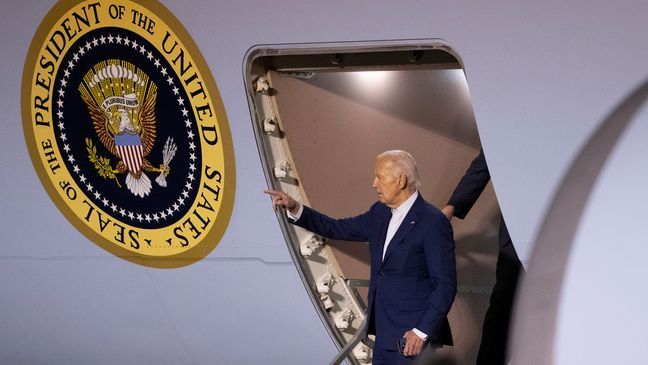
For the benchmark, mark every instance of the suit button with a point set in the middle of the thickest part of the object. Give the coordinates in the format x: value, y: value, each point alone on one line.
x: 381, y: 273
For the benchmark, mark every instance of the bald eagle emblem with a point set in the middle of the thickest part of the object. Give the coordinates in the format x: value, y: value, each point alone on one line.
x: 121, y: 103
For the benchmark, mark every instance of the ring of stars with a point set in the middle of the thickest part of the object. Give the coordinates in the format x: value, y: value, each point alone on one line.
x: 174, y: 207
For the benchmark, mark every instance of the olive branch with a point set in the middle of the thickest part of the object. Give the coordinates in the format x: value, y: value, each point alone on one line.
x: 102, y: 164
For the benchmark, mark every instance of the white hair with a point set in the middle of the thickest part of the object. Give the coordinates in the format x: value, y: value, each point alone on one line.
x: 402, y: 163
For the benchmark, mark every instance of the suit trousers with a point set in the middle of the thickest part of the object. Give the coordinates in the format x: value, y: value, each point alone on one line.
x: 492, y: 350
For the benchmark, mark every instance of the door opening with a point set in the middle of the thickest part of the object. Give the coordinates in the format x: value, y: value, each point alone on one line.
x: 322, y: 113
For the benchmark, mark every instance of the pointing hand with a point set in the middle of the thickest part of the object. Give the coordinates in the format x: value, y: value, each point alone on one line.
x: 282, y: 200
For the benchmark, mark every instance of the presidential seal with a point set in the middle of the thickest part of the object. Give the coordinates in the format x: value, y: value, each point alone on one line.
x: 127, y: 132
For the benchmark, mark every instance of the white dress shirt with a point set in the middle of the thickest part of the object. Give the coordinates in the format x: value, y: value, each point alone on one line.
x: 398, y: 214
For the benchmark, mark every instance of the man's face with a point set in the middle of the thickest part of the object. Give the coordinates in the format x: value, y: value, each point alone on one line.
x: 389, y: 188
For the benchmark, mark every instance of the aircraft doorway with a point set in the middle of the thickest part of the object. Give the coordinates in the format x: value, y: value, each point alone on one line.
x: 321, y: 114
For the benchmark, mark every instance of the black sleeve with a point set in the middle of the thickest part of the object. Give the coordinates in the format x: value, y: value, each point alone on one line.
x: 471, y: 186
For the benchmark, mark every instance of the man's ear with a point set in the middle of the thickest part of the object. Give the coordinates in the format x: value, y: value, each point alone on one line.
x: 402, y: 182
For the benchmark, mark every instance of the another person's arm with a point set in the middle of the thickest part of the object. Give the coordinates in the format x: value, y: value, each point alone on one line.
x: 468, y: 189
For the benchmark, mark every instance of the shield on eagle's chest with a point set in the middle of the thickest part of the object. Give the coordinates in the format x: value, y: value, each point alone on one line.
x: 129, y: 148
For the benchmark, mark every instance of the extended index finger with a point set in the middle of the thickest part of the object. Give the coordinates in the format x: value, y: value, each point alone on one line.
x: 273, y: 192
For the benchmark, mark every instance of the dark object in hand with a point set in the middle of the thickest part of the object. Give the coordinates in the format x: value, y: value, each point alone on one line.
x: 401, y: 344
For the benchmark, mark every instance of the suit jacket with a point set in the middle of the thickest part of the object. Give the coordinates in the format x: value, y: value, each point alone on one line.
x: 415, y: 285
x: 468, y: 191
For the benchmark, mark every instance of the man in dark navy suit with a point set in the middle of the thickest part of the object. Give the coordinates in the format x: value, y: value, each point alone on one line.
x: 492, y: 350
x: 413, y: 278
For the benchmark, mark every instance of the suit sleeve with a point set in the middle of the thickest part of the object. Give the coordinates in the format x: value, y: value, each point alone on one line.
x: 440, y: 257
x: 470, y: 186
x: 347, y: 229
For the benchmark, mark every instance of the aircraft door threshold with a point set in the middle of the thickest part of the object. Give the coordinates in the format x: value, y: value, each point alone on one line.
x: 339, y: 305
x: 269, y: 72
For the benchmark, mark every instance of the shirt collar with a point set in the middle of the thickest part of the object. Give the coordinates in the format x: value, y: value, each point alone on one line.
x: 404, y: 208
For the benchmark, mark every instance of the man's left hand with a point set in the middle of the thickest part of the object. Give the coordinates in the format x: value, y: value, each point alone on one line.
x: 413, y: 344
